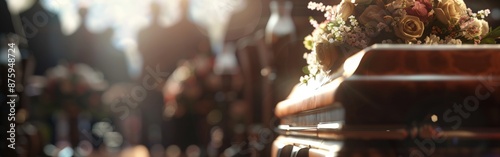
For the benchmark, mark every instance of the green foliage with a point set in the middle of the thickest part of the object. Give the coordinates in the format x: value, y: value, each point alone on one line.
x: 491, y: 36
x: 305, y: 70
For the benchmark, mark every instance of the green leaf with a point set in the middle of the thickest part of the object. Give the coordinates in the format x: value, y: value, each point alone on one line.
x: 305, y: 70
x: 494, y: 33
x: 468, y: 41
x: 488, y: 41
x: 497, y: 29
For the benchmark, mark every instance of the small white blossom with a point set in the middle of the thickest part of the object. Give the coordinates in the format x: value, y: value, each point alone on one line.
x: 331, y: 40
x: 454, y: 41
x: 432, y: 40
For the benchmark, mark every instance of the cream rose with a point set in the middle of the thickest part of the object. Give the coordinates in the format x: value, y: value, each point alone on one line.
x: 328, y: 55
x: 449, y: 11
x: 485, y: 28
x: 476, y: 28
x: 372, y: 15
x: 345, y: 9
x: 409, y: 28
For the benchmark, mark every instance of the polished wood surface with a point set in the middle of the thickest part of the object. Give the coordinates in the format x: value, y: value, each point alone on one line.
x: 399, y: 100
x: 386, y: 88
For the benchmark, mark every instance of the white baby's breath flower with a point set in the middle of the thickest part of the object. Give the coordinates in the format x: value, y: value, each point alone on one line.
x: 487, y: 12
x: 481, y: 14
x: 454, y: 41
x: 469, y: 11
x: 432, y: 40
x: 313, y: 69
x: 304, y: 79
x: 331, y: 40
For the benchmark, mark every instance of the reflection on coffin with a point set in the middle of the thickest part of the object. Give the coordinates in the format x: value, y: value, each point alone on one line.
x: 399, y: 100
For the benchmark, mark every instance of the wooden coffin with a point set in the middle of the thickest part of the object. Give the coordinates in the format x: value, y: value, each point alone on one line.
x: 410, y: 97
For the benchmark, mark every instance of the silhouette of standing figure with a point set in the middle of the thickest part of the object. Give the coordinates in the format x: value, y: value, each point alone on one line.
x: 110, y: 61
x: 81, y: 48
x: 164, y: 47
x: 46, y: 42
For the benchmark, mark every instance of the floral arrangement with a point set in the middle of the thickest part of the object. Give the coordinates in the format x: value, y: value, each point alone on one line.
x: 355, y: 24
x: 70, y: 84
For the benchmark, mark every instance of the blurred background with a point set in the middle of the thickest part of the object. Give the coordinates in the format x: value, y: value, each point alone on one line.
x: 155, y: 77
